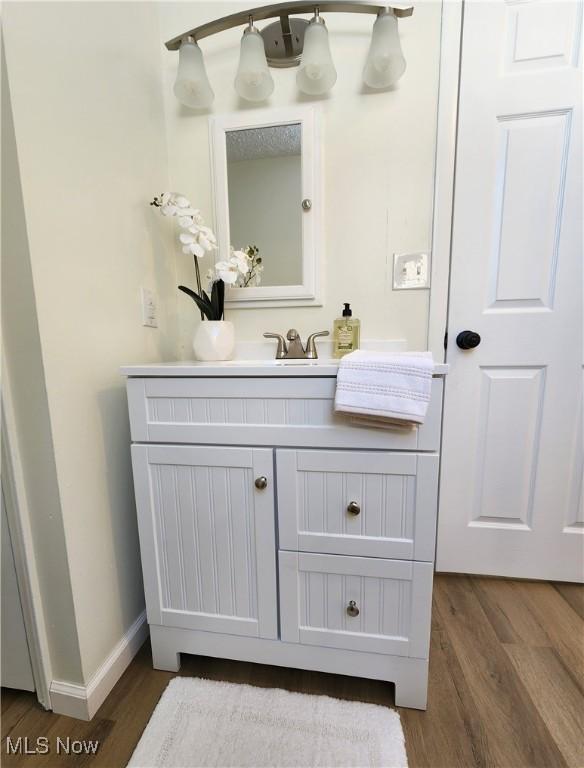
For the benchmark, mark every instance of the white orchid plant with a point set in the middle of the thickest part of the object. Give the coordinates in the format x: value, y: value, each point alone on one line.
x: 240, y: 269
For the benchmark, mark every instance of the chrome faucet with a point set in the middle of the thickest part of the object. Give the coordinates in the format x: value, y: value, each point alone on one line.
x: 294, y: 350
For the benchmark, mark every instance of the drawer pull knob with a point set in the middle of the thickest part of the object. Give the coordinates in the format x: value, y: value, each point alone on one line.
x: 352, y: 609
x: 353, y: 508
x: 261, y: 483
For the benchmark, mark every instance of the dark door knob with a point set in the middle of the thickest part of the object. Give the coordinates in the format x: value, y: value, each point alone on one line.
x: 468, y: 339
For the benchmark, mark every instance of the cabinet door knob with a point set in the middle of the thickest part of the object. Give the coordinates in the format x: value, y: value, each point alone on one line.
x: 353, y: 508
x: 352, y: 609
x: 261, y: 483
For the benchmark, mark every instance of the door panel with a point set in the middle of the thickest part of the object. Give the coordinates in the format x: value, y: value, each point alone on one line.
x: 395, y: 494
x: 207, y: 537
x: 510, y: 498
x: 524, y: 261
x: 506, y: 463
x: 392, y: 597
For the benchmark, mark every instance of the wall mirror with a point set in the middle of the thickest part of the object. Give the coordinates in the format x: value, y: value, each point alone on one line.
x: 266, y: 179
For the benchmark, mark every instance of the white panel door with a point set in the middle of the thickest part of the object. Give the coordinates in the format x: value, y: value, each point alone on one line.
x: 207, y: 537
x: 511, y: 477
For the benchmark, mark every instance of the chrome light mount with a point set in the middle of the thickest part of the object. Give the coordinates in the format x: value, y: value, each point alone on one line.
x: 284, y: 41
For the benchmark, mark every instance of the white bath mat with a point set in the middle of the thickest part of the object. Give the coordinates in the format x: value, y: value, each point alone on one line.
x: 208, y: 723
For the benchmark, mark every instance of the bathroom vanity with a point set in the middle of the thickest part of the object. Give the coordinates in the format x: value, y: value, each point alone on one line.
x: 274, y: 531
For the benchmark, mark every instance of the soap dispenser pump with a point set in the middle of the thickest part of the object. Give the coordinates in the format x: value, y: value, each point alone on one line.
x: 346, y: 333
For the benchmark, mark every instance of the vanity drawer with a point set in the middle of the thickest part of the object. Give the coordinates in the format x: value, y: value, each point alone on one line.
x: 373, y: 504
x: 320, y: 594
x: 262, y: 411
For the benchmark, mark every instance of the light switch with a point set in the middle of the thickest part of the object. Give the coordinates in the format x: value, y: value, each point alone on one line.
x: 411, y: 271
x: 149, y: 318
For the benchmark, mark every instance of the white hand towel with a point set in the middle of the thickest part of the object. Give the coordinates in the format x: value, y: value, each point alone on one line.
x: 381, y: 389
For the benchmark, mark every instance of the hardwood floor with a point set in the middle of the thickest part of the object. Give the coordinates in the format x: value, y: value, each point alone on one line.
x: 506, y: 686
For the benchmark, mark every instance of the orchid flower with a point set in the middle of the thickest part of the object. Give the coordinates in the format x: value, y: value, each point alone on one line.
x: 172, y: 203
x: 227, y: 271
x: 241, y: 261
x: 198, y: 239
x: 191, y: 245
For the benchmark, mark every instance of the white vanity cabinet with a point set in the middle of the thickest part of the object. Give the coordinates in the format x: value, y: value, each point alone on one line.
x: 274, y: 531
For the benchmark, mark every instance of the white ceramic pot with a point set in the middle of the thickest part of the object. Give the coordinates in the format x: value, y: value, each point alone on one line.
x: 214, y: 340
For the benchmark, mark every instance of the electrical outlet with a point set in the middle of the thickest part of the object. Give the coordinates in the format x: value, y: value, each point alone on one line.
x: 411, y: 271
x: 149, y: 317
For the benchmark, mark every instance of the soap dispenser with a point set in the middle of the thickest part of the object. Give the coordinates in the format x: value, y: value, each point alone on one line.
x: 346, y: 333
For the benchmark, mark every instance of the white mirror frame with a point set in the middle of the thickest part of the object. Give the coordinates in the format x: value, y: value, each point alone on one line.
x: 309, y: 292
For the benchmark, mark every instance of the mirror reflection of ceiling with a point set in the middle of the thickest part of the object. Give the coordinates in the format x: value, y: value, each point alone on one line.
x: 268, y: 141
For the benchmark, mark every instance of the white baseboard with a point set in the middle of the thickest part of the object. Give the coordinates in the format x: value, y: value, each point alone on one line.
x: 69, y: 699
x: 83, y: 701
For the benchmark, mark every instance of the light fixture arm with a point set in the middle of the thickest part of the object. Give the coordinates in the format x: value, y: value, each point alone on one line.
x: 283, y: 11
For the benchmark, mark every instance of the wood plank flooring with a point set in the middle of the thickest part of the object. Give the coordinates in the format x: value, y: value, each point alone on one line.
x: 506, y: 686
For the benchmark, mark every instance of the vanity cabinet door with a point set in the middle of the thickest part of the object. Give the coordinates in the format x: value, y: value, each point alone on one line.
x: 207, y: 537
x: 366, y: 503
x: 356, y: 603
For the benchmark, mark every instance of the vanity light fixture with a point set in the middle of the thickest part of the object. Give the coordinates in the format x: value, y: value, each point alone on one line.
x: 317, y: 73
x: 192, y: 87
x: 253, y: 80
x: 289, y: 42
x: 385, y: 62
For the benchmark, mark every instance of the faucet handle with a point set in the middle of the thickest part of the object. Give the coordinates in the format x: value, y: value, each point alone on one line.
x: 282, y: 350
x: 311, y: 351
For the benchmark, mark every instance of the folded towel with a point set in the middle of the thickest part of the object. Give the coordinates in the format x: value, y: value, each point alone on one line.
x: 379, y: 423
x: 381, y: 389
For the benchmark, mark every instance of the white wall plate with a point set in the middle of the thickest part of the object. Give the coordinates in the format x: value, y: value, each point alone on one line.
x: 411, y: 271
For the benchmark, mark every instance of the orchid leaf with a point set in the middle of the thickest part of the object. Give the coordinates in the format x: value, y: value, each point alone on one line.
x: 221, y: 297
x: 202, y: 304
x: 217, y: 298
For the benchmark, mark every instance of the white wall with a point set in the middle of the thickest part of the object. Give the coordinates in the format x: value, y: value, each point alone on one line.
x: 379, y: 167
x: 23, y: 370
x: 86, y: 90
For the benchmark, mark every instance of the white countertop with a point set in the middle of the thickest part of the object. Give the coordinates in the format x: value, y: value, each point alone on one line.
x: 246, y: 368
x: 321, y: 367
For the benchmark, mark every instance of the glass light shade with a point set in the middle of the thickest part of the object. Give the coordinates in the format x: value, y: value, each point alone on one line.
x: 317, y: 73
x: 385, y: 61
x: 253, y: 81
x: 192, y: 87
